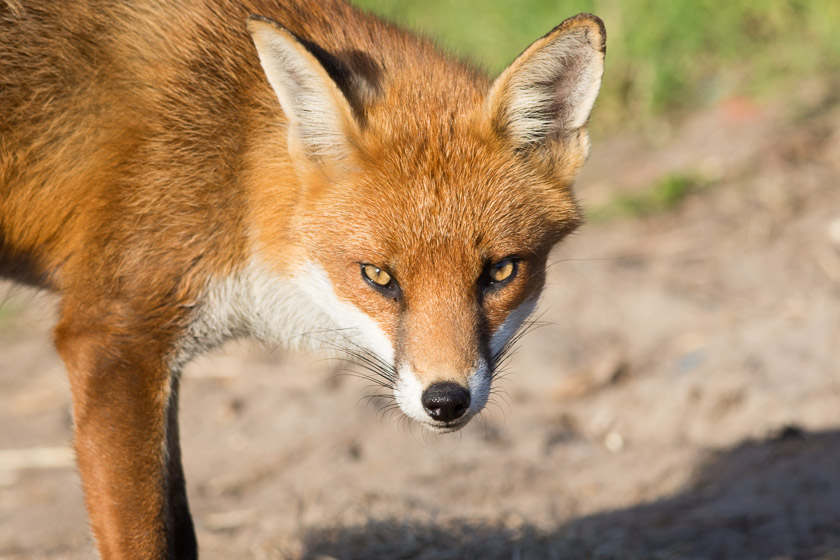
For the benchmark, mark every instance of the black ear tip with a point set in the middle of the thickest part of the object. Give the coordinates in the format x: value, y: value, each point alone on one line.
x: 256, y: 18
x: 596, y: 30
x: 254, y: 22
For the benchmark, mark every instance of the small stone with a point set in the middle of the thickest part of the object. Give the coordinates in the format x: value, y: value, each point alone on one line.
x: 834, y: 231
x: 614, y: 442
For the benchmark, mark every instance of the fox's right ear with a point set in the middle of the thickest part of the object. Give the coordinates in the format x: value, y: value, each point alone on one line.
x: 321, y: 120
x: 547, y: 93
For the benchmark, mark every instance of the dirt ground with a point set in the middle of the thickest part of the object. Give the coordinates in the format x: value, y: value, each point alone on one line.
x: 683, y: 401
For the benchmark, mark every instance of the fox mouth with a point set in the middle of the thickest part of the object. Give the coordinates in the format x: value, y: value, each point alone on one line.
x: 447, y: 427
x: 450, y: 426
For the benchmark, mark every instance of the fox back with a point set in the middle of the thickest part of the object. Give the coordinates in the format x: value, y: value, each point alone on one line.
x: 183, y: 173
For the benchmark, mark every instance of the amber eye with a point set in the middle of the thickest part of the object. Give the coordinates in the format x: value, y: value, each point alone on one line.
x: 376, y: 275
x: 381, y: 281
x: 499, y: 274
x: 501, y: 271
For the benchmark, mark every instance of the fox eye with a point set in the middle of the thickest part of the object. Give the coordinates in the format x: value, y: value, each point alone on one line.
x: 500, y: 273
x: 380, y: 280
x: 376, y: 275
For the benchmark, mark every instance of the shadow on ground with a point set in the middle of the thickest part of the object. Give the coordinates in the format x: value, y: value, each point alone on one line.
x: 762, y: 500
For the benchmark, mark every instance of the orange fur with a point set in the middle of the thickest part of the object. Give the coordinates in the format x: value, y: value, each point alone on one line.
x: 145, y: 159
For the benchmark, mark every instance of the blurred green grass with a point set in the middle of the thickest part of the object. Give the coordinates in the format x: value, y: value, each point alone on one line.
x: 663, y: 56
x: 665, y: 195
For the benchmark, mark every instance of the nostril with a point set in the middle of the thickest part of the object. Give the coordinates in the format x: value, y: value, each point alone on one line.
x: 446, y: 401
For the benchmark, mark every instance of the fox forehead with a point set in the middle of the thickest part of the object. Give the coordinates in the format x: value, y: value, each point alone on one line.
x: 459, y: 194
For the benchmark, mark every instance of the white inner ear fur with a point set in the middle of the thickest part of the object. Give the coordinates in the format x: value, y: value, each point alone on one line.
x: 552, y: 90
x: 318, y: 113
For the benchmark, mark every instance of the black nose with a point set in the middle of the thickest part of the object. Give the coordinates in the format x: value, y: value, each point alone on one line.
x: 446, y: 401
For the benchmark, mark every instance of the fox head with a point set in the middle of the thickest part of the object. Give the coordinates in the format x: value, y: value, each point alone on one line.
x: 428, y: 198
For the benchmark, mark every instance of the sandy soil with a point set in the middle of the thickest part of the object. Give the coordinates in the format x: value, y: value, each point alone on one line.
x: 682, y: 403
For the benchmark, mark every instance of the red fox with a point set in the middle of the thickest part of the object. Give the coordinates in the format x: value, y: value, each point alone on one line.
x: 184, y: 173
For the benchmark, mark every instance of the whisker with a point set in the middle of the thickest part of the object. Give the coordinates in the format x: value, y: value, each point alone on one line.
x: 501, y: 359
x: 484, y: 422
x: 381, y: 374
x: 359, y: 355
x: 499, y: 407
x: 386, y: 410
x: 350, y: 373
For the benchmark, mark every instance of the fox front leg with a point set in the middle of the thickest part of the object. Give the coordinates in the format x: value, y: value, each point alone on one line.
x: 126, y: 437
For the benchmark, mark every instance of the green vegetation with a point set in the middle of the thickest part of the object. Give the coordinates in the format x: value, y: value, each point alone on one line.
x: 667, y: 194
x: 663, y: 55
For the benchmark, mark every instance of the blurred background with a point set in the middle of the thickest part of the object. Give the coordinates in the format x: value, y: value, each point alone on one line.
x: 682, y: 400
x: 664, y: 58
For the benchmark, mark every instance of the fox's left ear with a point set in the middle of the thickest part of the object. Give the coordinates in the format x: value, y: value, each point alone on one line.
x: 321, y: 120
x: 547, y: 93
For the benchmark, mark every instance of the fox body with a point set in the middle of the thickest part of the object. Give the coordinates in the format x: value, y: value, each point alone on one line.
x: 183, y: 173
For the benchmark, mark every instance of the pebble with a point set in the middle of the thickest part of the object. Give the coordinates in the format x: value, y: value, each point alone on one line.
x: 614, y: 442
x: 834, y: 231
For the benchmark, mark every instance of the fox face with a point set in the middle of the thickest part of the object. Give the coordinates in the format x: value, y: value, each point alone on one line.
x: 428, y: 203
